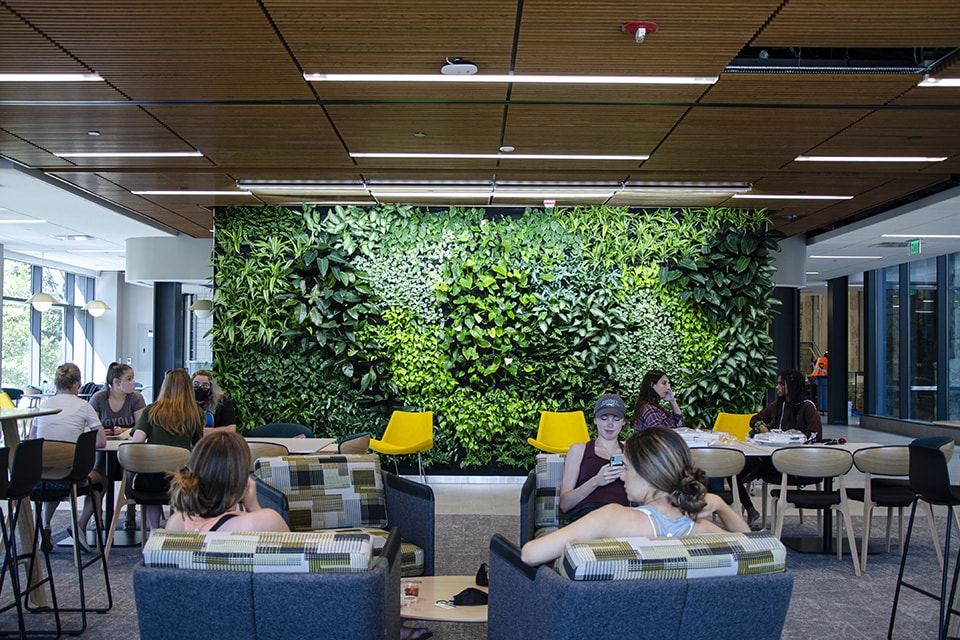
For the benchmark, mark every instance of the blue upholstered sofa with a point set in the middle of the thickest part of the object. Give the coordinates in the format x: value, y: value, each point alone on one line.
x: 321, y: 492
x: 723, y: 586
x: 268, y: 586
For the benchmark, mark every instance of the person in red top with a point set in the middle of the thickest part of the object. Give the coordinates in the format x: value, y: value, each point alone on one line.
x: 820, y: 366
x: 590, y: 478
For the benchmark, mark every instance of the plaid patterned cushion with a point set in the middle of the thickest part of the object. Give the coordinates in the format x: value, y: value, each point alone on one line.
x: 685, y: 557
x: 328, y: 492
x: 411, y: 556
x: 315, y: 552
x: 549, y: 476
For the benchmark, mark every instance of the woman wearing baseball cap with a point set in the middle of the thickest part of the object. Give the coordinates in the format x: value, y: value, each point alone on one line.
x: 592, y: 470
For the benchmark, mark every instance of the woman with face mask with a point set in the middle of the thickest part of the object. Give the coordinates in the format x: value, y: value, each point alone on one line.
x: 216, y: 405
x: 119, y: 407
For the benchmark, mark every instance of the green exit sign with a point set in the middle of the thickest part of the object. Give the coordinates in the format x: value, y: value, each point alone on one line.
x: 915, y: 247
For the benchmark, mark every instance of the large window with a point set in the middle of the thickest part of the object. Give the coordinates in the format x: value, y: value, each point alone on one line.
x: 34, y: 343
x: 888, y: 329
x: 953, y: 336
x: 923, y: 339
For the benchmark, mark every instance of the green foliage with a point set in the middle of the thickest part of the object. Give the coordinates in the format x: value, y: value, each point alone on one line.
x: 334, y: 317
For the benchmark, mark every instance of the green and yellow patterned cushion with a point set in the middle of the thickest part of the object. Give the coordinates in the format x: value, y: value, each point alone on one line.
x: 411, y: 556
x: 251, y: 552
x: 684, y: 557
x: 328, y: 492
x: 547, y: 500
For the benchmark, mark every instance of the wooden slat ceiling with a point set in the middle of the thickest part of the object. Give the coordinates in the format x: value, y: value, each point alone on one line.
x: 226, y: 80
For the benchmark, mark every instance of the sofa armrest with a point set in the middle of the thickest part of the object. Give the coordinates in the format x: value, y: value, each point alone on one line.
x: 528, y: 508
x: 411, y: 508
x: 270, y: 498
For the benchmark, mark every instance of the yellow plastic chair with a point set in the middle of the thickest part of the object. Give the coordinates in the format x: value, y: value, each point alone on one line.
x: 560, y: 429
x: 407, y: 432
x: 736, y: 424
x: 6, y: 402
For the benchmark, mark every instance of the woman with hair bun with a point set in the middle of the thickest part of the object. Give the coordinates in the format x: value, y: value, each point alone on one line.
x: 671, y: 493
x: 208, y: 491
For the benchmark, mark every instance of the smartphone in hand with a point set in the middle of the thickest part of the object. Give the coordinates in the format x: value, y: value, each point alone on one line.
x: 616, y: 460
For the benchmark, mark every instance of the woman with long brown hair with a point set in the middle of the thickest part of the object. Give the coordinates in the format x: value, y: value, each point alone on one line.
x: 174, y: 419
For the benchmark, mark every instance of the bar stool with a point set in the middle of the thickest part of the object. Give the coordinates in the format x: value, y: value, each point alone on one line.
x: 66, y: 469
x: 25, y: 474
x: 930, y: 479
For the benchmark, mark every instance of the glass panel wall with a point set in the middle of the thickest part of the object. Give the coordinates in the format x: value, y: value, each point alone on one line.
x: 953, y: 336
x: 923, y: 339
x: 888, y: 339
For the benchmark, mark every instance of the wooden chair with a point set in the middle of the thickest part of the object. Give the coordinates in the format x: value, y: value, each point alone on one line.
x: 144, y: 457
x: 560, y: 429
x: 815, y: 462
x: 721, y: 462
x: 259, y: 449
x: 355, y: 443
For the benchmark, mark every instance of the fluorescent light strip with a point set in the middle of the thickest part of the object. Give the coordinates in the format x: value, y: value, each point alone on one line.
x: 771, y: 196
x: 95, y: 250
x: 536, y: 79
x: 131, y: 154
x: 812, y: 273
x: 553, y: 193
x: 50, y: 77
x: 294, y: 186
x: 939, y: 82
x: 30, y: 221
x: 869, y: 159
x: 185, y: 192
x: 919, y: 235
x: 497, y: 156
x: 376, y: 193
x: 848, y: 257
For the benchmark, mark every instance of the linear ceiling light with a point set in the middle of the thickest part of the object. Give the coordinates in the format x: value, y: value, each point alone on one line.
x: 301, y: 186
x: 50, y: 77
x: 498, y: 156
x: 919, y: 235
x: 869, y: 159
x: 848, y: 257
x: 939, y: 82
x: 787, y: 196
x: 186, y: 192
x: 538, y: 79
x: 131, y: 154
x: 21, y: 221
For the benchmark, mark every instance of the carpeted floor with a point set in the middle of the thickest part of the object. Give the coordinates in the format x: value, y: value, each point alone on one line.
x: 828, y: 602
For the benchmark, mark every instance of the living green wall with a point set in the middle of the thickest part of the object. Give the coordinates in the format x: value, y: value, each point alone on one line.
x: 333, y: 317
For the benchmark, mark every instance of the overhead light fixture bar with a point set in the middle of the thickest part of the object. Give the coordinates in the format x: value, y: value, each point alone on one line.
x: 869, y: 159
x: 50, y: 77
x: 939, y: 82
x: 920, y: 235
x: 507, y: 78
x: 787, y: 196
x: 499, y: 156
x: 130, y: 154
x: 21, y: 221
x: 187, y: 192
x: 848, y: 257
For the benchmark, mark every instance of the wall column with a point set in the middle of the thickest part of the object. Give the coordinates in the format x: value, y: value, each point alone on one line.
x: 837, y: 336
x: 167, y: 330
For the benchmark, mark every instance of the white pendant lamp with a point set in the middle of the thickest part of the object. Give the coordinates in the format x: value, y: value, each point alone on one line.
x: 42, y: 301
x: 202, y: 308
x: 96, y: 308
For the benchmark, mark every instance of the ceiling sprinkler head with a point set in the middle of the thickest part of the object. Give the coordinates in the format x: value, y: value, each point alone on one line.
x: 640, y: 29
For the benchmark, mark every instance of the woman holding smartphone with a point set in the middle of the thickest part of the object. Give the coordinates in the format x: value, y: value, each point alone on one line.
x: 670, y: 492
x: 592, y: 470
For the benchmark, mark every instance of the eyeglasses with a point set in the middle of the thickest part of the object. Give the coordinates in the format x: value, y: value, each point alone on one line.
x: 202, y: 385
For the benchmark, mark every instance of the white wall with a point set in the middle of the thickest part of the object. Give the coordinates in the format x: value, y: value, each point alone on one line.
x: 118, y: 333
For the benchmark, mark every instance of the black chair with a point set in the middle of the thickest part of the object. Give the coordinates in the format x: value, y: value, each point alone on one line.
x: 27, y: 464
x: 279, y: 430
x: 65, y: 475
x: 930, y: 479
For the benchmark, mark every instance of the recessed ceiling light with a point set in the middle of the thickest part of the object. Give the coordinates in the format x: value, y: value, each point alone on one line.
x: 50, y: 77
x: 497, y: 156
x: 187, y: 192
x: 74, y: 238
x: 812, y: 273
x: 507, y: 149
x: 419, y: 134
x: 507, y: 78
x: 869, y: 159
x: 131, y: 154
x: 93, y: 133
x: 787, y: 196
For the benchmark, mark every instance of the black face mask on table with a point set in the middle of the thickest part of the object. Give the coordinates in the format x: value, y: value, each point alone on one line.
x: 201, y: 394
